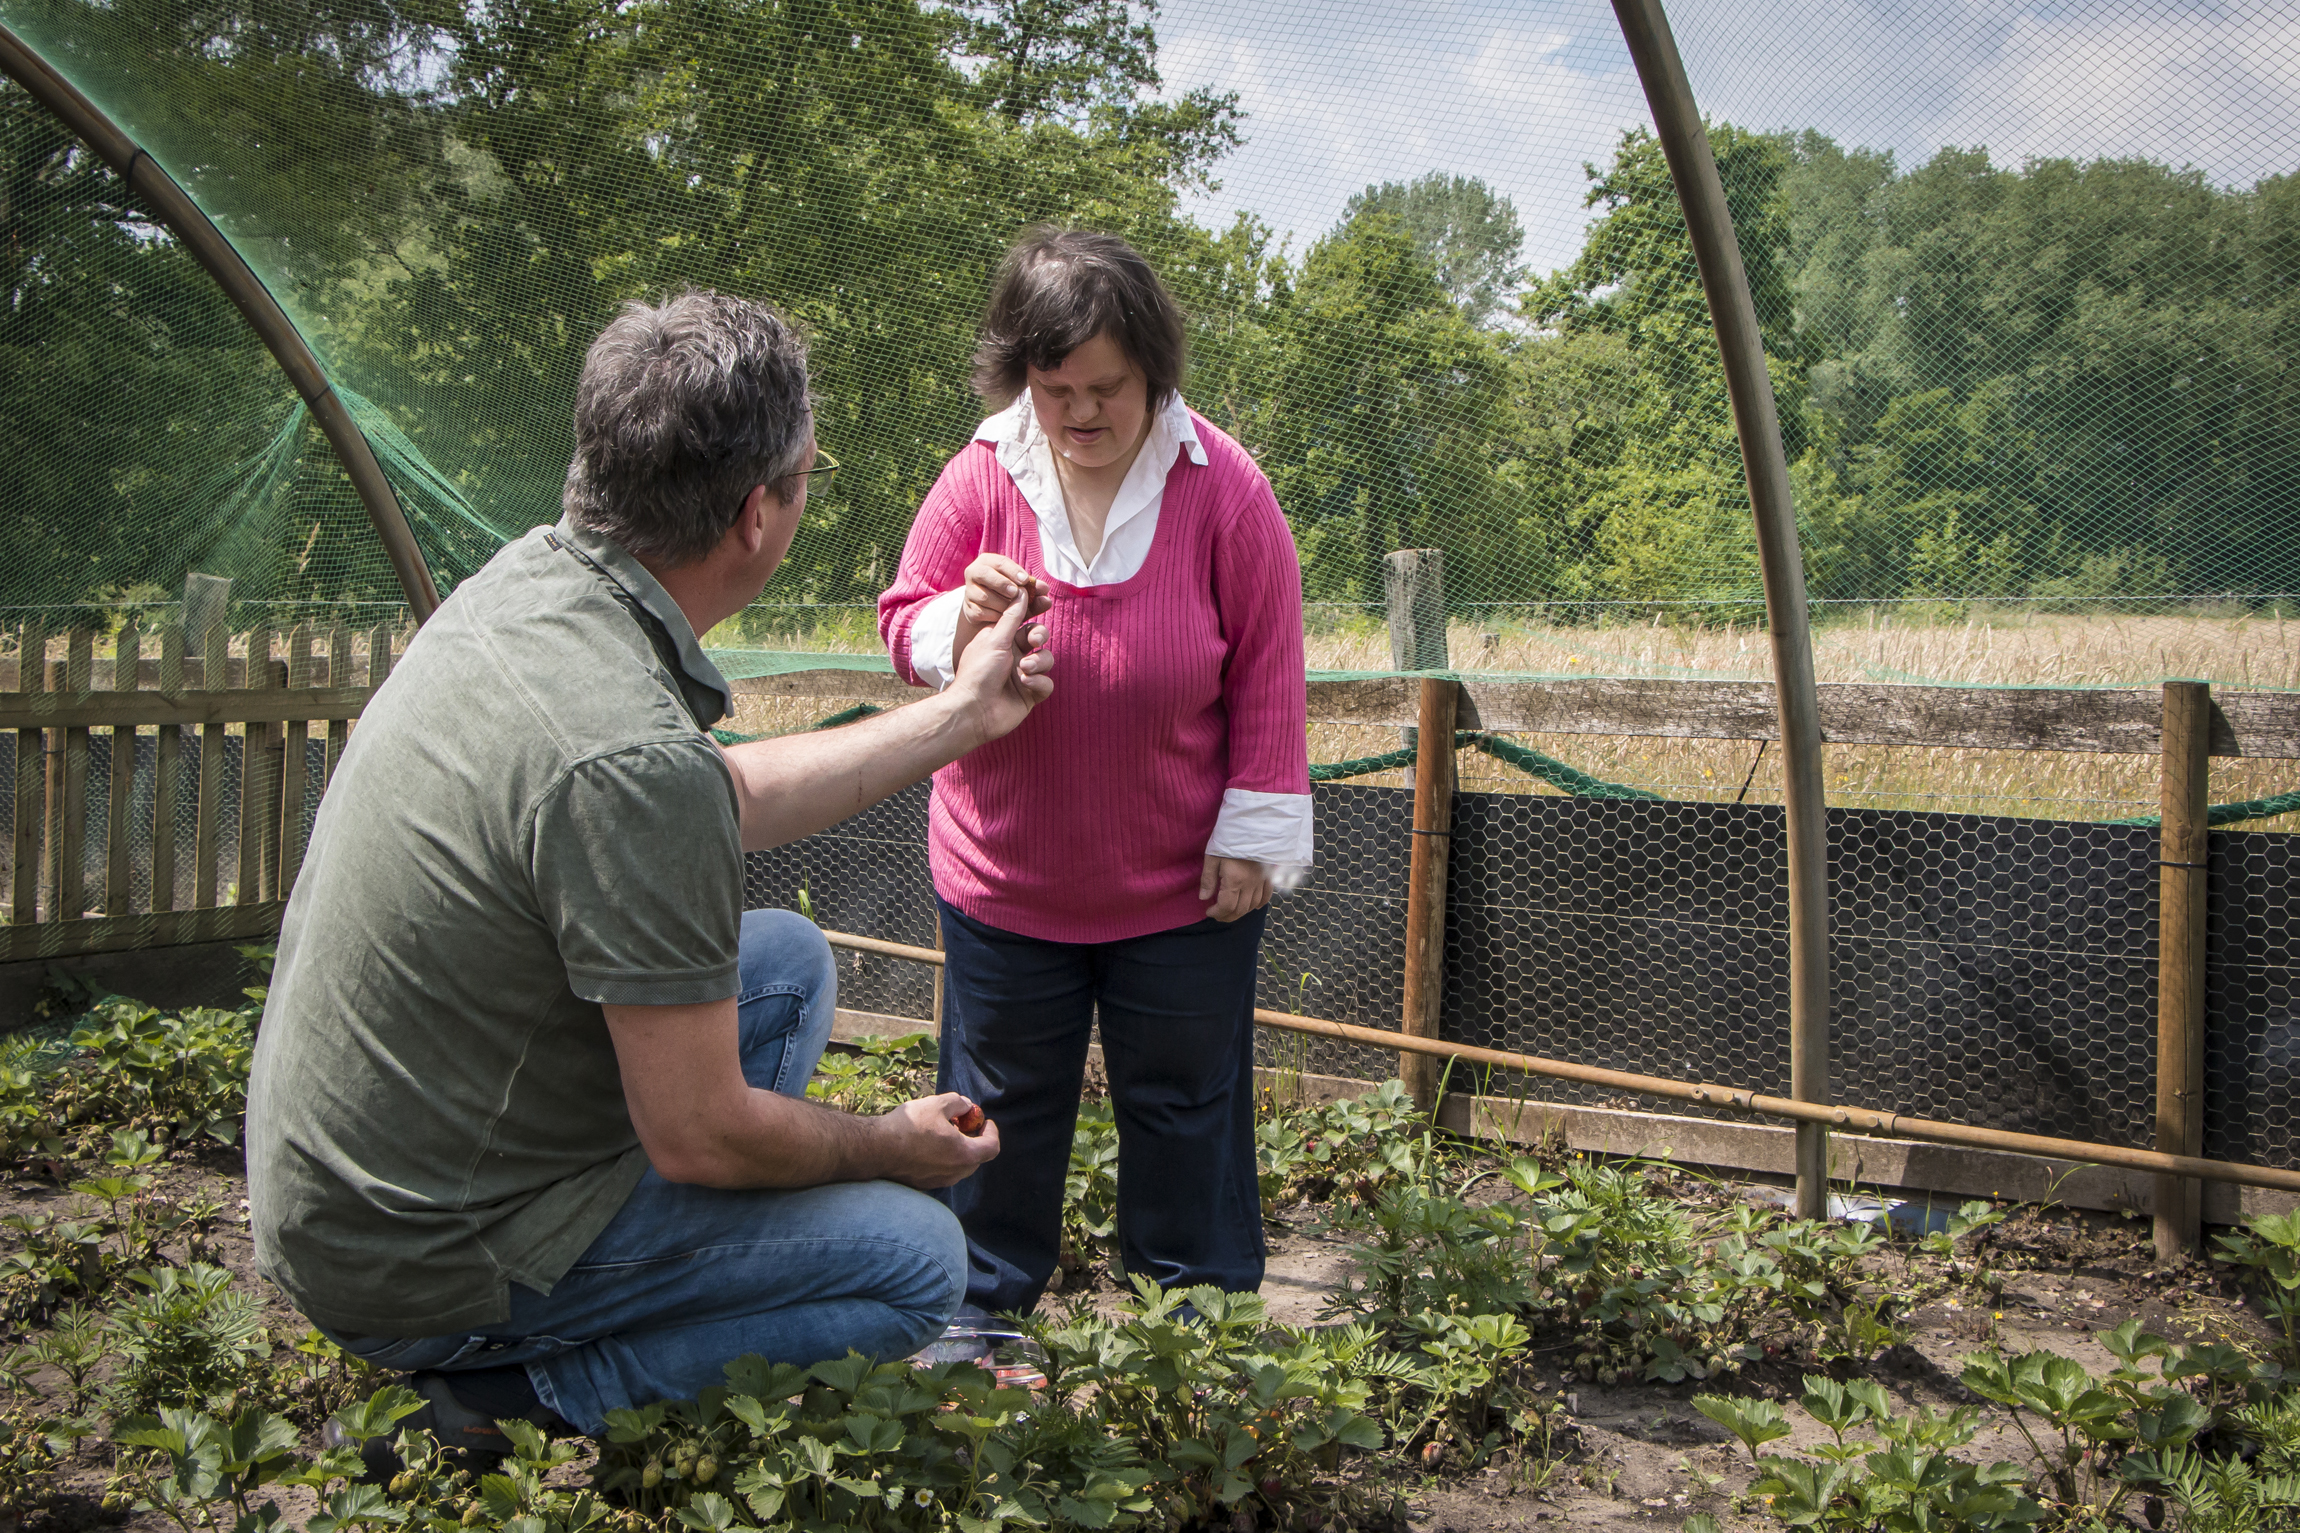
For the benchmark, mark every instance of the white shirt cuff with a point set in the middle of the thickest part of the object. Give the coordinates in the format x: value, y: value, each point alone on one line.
x: 934, y: 638
x: 1274, y: 829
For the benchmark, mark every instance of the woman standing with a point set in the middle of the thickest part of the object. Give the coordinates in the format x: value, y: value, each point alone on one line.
x: 1116, y: 852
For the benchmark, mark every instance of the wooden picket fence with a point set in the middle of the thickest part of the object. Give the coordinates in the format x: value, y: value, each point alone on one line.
x: 189, y: 690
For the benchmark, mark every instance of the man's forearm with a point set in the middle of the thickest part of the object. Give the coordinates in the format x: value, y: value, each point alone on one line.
x: 794, y: 785
x: 790, y: 1142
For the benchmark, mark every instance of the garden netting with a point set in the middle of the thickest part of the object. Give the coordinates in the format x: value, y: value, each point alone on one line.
x: 2026, y: 275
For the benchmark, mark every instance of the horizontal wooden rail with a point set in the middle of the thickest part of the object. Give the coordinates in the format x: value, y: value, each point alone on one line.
x: 104, y: 673
x: 65, y: 710
x: 119, y: 934
x: 2120, y: 721
x: 2116, y: 720
x: 1856, y: 1120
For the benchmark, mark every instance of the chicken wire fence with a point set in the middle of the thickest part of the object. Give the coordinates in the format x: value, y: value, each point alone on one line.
x: 95, y: 841
x: 1989, y: 970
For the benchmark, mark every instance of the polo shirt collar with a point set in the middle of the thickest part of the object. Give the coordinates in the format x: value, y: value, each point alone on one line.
x: 611, y: 560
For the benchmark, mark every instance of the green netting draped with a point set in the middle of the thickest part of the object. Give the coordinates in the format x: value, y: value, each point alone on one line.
x: 2034, y: 359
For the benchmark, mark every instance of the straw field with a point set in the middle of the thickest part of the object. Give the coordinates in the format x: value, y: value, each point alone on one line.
x: 2011, y: 649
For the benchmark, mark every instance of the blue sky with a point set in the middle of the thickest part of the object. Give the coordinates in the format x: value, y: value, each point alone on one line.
x: 1521, y: 94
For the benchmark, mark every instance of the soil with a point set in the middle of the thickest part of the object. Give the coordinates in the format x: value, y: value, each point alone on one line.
x: 1632, y: 1454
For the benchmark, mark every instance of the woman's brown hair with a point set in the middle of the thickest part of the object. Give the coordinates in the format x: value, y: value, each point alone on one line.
x: 1060, y: 288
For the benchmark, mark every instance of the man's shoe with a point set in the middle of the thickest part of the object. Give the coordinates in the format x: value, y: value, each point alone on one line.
x: 979, y: 1337
x: 469, y: 1437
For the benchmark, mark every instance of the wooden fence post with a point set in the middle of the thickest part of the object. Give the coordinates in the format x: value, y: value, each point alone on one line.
x: 2180, y: 961
x: 938, y: 973
x: 167, y: 750
x: 1426, y: 886
x: 72, y: 817
x: 259, y: 786
x: 31, y: 777
x: 1413, y: 579
x: 295, y: 740
x: 119, y: 856
x: 210, y: 635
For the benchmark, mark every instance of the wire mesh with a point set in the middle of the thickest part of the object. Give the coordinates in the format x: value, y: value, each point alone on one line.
x: 2021, y: 270
x: 2026, y: 280
x: 96, y: 827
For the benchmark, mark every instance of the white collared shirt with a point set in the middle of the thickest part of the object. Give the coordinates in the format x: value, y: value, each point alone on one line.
x: 1270, y: 828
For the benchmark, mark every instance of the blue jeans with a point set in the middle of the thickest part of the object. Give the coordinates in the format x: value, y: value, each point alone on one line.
x: 1177, y: 1017
x: 686, y: 1279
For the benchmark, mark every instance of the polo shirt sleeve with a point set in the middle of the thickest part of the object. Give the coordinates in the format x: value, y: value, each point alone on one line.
x: 638, y: 868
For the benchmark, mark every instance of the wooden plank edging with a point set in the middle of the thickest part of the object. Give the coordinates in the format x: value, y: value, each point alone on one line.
x: 2111, y: 720
x: 113, y: 934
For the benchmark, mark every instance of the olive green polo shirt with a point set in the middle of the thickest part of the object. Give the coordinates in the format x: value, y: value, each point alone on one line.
x: 531, y: 819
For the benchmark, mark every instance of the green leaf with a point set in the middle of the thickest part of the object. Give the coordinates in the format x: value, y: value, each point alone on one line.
x: 1755, y: 1422
x: 379, y: 1413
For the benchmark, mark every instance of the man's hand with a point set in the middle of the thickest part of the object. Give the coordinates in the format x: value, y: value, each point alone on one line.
x: 701, y: 1122
x: 794, y: 785
x: 1003, y: 675
x: 1235, y: 885
x: 925, y: 1148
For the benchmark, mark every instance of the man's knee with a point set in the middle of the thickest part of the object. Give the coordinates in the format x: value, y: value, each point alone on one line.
x: 930, y: 1286
x: 782, y: 951
x: 788, y: 947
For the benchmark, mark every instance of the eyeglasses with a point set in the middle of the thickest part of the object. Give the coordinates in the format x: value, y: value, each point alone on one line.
x: 825, y: 466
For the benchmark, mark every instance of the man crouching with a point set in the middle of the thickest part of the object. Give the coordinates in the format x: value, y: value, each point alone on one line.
x: 527, y: 1117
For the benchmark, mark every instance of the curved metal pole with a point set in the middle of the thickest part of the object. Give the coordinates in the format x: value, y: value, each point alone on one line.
x: 183, y: 218
x: 1677, y: 122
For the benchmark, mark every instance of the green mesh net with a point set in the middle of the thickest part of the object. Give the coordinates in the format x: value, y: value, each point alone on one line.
x: 2027, y: 275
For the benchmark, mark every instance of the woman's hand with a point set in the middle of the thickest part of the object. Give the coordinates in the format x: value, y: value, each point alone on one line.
x: 994, y: 583
x: 1005, y: 676
x: 1243, y: 884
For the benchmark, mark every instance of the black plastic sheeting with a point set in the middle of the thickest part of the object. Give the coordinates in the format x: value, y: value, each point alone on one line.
x: 1985, y: 969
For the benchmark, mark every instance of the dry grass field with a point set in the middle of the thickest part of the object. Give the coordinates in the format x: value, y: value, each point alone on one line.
x: 2010, y: 649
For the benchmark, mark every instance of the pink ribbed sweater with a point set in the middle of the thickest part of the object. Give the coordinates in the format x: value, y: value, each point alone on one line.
x: 1089, y: 822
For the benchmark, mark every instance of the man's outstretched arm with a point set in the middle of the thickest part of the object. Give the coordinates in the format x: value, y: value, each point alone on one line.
x: 794, y: 785
x: 701, y: 1122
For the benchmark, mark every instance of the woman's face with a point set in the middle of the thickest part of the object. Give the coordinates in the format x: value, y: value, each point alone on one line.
x: 1095, y: 407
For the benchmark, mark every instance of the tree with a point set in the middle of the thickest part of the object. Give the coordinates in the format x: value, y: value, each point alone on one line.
x: 1467, y: 232
x: 146, y: 430
x: 1087, y: 65
x: 1385, y: 430
x: 1667, y: 519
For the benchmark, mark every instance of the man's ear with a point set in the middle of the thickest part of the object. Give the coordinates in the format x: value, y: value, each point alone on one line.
x: 750, y: 527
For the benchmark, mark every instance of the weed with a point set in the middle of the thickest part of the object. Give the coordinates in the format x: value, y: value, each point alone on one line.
x: 1090, y: 1188
x: 883, y: 1074
x: 189, y: 1336
x: 2268, y: 1248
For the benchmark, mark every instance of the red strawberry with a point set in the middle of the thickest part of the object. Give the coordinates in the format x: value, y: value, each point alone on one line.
x: 970, y: 1122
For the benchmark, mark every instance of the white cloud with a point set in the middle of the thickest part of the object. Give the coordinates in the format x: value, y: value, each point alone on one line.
x: 1522, y: 94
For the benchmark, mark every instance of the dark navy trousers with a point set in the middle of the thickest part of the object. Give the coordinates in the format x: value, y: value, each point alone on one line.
x: 1177, y: 1015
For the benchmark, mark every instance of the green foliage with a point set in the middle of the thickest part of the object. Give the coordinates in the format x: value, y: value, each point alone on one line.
x: 1903, y: 1478
x: 1226, y: 1417
x: 883, y: 1074
x: 181, y: 1076
x: 1356, y: 1145
x: 191, y: 1336
x: 2093, y: 1440
x: 1467, y: 233
x: 2268, y: 1249
x: 1090, y: 1186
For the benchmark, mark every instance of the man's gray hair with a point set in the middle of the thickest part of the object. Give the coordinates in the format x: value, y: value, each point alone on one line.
x: 682, y: 408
